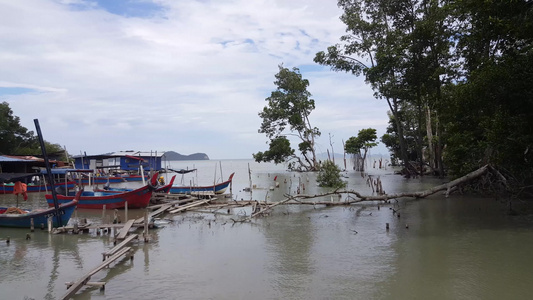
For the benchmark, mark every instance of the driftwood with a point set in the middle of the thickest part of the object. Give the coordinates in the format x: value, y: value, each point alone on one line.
x: 300, y: 199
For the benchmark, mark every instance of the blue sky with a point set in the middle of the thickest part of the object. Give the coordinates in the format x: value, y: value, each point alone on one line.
x: 188, y: 76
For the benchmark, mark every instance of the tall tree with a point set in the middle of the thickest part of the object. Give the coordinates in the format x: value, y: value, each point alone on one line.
x: 400, y: 47
x: 490, y: 113
x: 287, y: 114
x: 369, y: 49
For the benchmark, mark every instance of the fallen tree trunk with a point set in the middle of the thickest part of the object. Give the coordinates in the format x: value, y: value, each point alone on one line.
x: 299, y: 199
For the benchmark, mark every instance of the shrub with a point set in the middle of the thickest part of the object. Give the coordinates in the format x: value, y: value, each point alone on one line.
x: 329, y: 175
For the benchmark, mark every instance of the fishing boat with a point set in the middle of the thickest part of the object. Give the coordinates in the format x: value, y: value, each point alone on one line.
x: 137, y: 198
x: 166, y: 188
x: 161, y: 189
x: 219, y: 188
x: 134, y: 177
x: 33, y: 183
x: 137, y: 177
x: 16, y: 217
x: 101, y: 179
x: 8, y: 188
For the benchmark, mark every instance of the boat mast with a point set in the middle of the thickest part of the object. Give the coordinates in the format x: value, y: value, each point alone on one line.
x: 48, y: 171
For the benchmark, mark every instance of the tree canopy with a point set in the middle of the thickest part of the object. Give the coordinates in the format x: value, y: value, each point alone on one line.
x: 456, y: 75
x: 15, y: 139
x: 287, y: 114
x: 359, y: 146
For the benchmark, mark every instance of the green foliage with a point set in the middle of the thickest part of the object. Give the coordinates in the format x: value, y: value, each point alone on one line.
x: 329, y: 175
x: 489, y: 114
x: 365, y: 139
x: 287, y: 113
x: 402, y: 49
x: 359, y: 146
x: 500, y: 132
x: 14, y: 138
x: 18, y: 140
x: 279, y: 151
x: 456, y: 76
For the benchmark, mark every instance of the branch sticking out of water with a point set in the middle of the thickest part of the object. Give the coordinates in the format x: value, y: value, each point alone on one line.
x: 356, y: 197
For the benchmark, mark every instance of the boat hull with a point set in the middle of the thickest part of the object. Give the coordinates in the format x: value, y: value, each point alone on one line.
x: 39, y: 216
x: 8, y: 188
x: 217, y: 188
x: 102, y: 180
x: 134, y: 178
x: 139, y: 198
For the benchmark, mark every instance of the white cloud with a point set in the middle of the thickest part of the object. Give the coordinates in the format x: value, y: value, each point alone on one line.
x: 192, y: 78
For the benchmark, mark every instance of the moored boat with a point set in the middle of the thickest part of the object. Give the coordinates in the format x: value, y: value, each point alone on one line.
x: 138, y: 198
x: 8, y: 188
x: 102, y: 180
x: 134, y: 177
x: 16, y: 217
x: 161, y: 189
x: 219, y: 188
x: 166, y: 188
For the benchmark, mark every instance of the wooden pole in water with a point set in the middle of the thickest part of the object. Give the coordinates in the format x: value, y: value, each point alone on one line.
x: 221, y: 175
x: 146, y: 226
x: 32, y: 227
x: 103, y: 214
x: 126, y: 211
x: 215, y: 178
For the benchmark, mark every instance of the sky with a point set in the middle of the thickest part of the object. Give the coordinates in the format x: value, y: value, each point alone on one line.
x: 174, y: 75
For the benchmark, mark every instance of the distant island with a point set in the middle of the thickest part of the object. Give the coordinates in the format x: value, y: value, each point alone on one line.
x: 171, y: 155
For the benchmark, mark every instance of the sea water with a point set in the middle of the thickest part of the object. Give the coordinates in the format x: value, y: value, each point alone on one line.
x: 460, y: 247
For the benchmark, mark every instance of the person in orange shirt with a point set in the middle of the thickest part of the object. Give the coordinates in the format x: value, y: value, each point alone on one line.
x: 20, y: 188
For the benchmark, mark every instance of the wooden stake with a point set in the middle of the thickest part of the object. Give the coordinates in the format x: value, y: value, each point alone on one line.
x: 146, y: 226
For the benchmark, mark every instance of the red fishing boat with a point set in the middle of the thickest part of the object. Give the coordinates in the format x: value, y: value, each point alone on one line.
x: 138, y: 198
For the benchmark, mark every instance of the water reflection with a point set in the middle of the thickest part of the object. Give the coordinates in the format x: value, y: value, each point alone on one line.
x: 290, y: 243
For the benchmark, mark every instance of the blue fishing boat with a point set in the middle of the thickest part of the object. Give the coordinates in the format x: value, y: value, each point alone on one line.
x: 16, y: 217
x: 219, y: 188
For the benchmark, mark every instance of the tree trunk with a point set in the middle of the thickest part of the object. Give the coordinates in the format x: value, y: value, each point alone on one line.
x: 399, y: 128
x: 429, y: 130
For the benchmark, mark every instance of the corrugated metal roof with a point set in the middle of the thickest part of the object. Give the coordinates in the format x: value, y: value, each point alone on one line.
x: 122, y: 154
x: 139, y: 153
x: 11, y: 159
